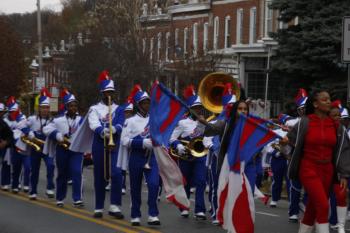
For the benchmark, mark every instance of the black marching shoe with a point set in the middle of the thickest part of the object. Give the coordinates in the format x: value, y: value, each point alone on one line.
x: 98, y: 214
x: 78, y: 204
x: 117, y: 215
x: 153, y: 221
x: 135, y: 222
x: 200, y: 216
x: 60, y: 204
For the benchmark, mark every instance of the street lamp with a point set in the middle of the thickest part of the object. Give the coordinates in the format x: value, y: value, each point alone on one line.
x: 268, y: 43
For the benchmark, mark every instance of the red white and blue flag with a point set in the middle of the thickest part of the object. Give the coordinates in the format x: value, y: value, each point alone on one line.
x: 236, y: 203
x: 165, y: 112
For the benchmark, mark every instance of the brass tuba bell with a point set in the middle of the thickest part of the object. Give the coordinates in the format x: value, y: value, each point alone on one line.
x: 212, y: 87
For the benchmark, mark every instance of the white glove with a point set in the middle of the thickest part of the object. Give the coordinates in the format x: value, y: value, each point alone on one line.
x: 147, y: 144
x: 113, y: 130
x: 59, y: 137
x: 31, y: 135
x: 105, y: 133
x: 181, y: 149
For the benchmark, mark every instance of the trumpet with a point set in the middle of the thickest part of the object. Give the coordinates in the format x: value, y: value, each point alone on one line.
x: 66, y: 143
x: 194, y: 149
x: 108, y: 147
x: 111, y: 144
x: 35, y: 143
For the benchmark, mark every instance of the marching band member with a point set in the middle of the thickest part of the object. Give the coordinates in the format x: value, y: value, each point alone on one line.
x: 278, y: 163
x: 60, y: 130
x: 142, y: 162
x: 338, y: 196
x: 128, y: 112
x: 35, y: 125
x: 193, y: 171
x: 105, y: 158
x: 5, y: 151
x: 295, y: 187
x: 320, y: 154
x: 19, y: 155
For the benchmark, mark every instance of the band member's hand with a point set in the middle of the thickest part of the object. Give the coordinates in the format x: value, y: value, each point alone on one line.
x: 202, y: 120
x: 31, y: 135
x: 181, y: 149
x: 3, y: 144
x: 147, y: 144
x: 343, y: 184
x: 284, y: 141
x: 59, y: 137
x: 105, y: 133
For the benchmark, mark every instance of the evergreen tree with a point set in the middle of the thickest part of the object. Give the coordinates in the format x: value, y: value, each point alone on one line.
x: 310, y: 48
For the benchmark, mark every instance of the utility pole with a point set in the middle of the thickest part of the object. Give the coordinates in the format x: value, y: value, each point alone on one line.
x: 40, y: 45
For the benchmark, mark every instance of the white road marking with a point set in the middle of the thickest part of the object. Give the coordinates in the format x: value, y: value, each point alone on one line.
x: 267, y: 214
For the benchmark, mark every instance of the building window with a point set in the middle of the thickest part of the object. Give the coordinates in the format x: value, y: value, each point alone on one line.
x: 167, y: 47
x: 144, y: 41
x: 185, y: 40
x: 268, y: 18
x: 216, y: 33
x: 151, y: 49
x: 176, y: 36
x: 205, y: 37
x: 195, y: 39
x: 239, y: 34
x: 159, y: 45
x: 252, y: 26
x: 176, y: 42
x: 227, y: 31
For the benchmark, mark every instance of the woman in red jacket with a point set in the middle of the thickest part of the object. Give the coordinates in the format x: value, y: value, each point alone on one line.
x: 316, y: 137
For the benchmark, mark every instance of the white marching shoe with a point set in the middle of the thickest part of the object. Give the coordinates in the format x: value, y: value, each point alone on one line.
x: 303, y: 228
x: 322, y: 227
x: 341, y: 215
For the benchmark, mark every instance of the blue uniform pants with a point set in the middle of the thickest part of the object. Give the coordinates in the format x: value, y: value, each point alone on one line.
x: 69, y: 164
x: 35, y: 161
x: 213, y: 186
x: 195, y: 173
x: 18, y: 161
x: 294, y: 197
x: 5, y: 169
x: 279, y: 171
x: 98, y: 157
x: 136, y: 172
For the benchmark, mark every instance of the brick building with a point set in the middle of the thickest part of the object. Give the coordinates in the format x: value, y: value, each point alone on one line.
x: 236, y: 32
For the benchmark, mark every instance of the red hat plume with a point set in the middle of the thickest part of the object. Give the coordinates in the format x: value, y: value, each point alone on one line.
x: 227, y: 89
x: 64, y: 92
x: 10, y: 100
x: 104, y: 75
x: 189, y: 91
x: 45, y: 92
x: 336, y: 104
x: 133, y: 92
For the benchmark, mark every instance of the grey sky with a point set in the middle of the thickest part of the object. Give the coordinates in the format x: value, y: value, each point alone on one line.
x: 21, y: 6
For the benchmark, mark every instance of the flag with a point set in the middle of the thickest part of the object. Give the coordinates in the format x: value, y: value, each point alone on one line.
x: 165, y: 112
x: 248, y: 138
x: 236, y: 210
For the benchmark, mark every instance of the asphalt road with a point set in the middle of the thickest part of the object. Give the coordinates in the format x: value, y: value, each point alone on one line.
x: 20, y: 215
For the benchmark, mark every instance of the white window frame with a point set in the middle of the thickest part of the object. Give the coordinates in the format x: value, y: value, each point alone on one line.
x: 195, y: 39
x: 252, y: 26
x: 159, y: 45
x: 185, y: 40
x: 205, y: 37
x: 216, y: 33
x: 151, y: 47
x: 239, y: 32
x: 268, y: 18
x: 227, y: 31
x: 144, y: 44
x: 167, y: 47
